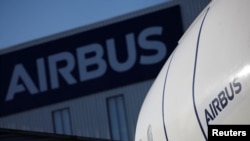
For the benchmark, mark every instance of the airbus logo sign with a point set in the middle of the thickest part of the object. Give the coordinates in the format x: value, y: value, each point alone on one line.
x: 87, y: 62
x: 81, y: 62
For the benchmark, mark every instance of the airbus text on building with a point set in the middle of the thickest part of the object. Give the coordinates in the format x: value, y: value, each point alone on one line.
x: 87, y: 62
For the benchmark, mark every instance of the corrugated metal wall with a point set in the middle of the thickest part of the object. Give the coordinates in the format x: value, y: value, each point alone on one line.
x: 89, y: 114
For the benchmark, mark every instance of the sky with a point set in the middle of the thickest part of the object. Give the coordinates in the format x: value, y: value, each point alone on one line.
x: 26, y: 20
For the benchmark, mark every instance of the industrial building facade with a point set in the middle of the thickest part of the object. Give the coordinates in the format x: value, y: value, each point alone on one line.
x: 91, y: 81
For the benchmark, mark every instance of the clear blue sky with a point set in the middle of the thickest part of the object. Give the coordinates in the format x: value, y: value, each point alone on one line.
x: 25, y: 20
